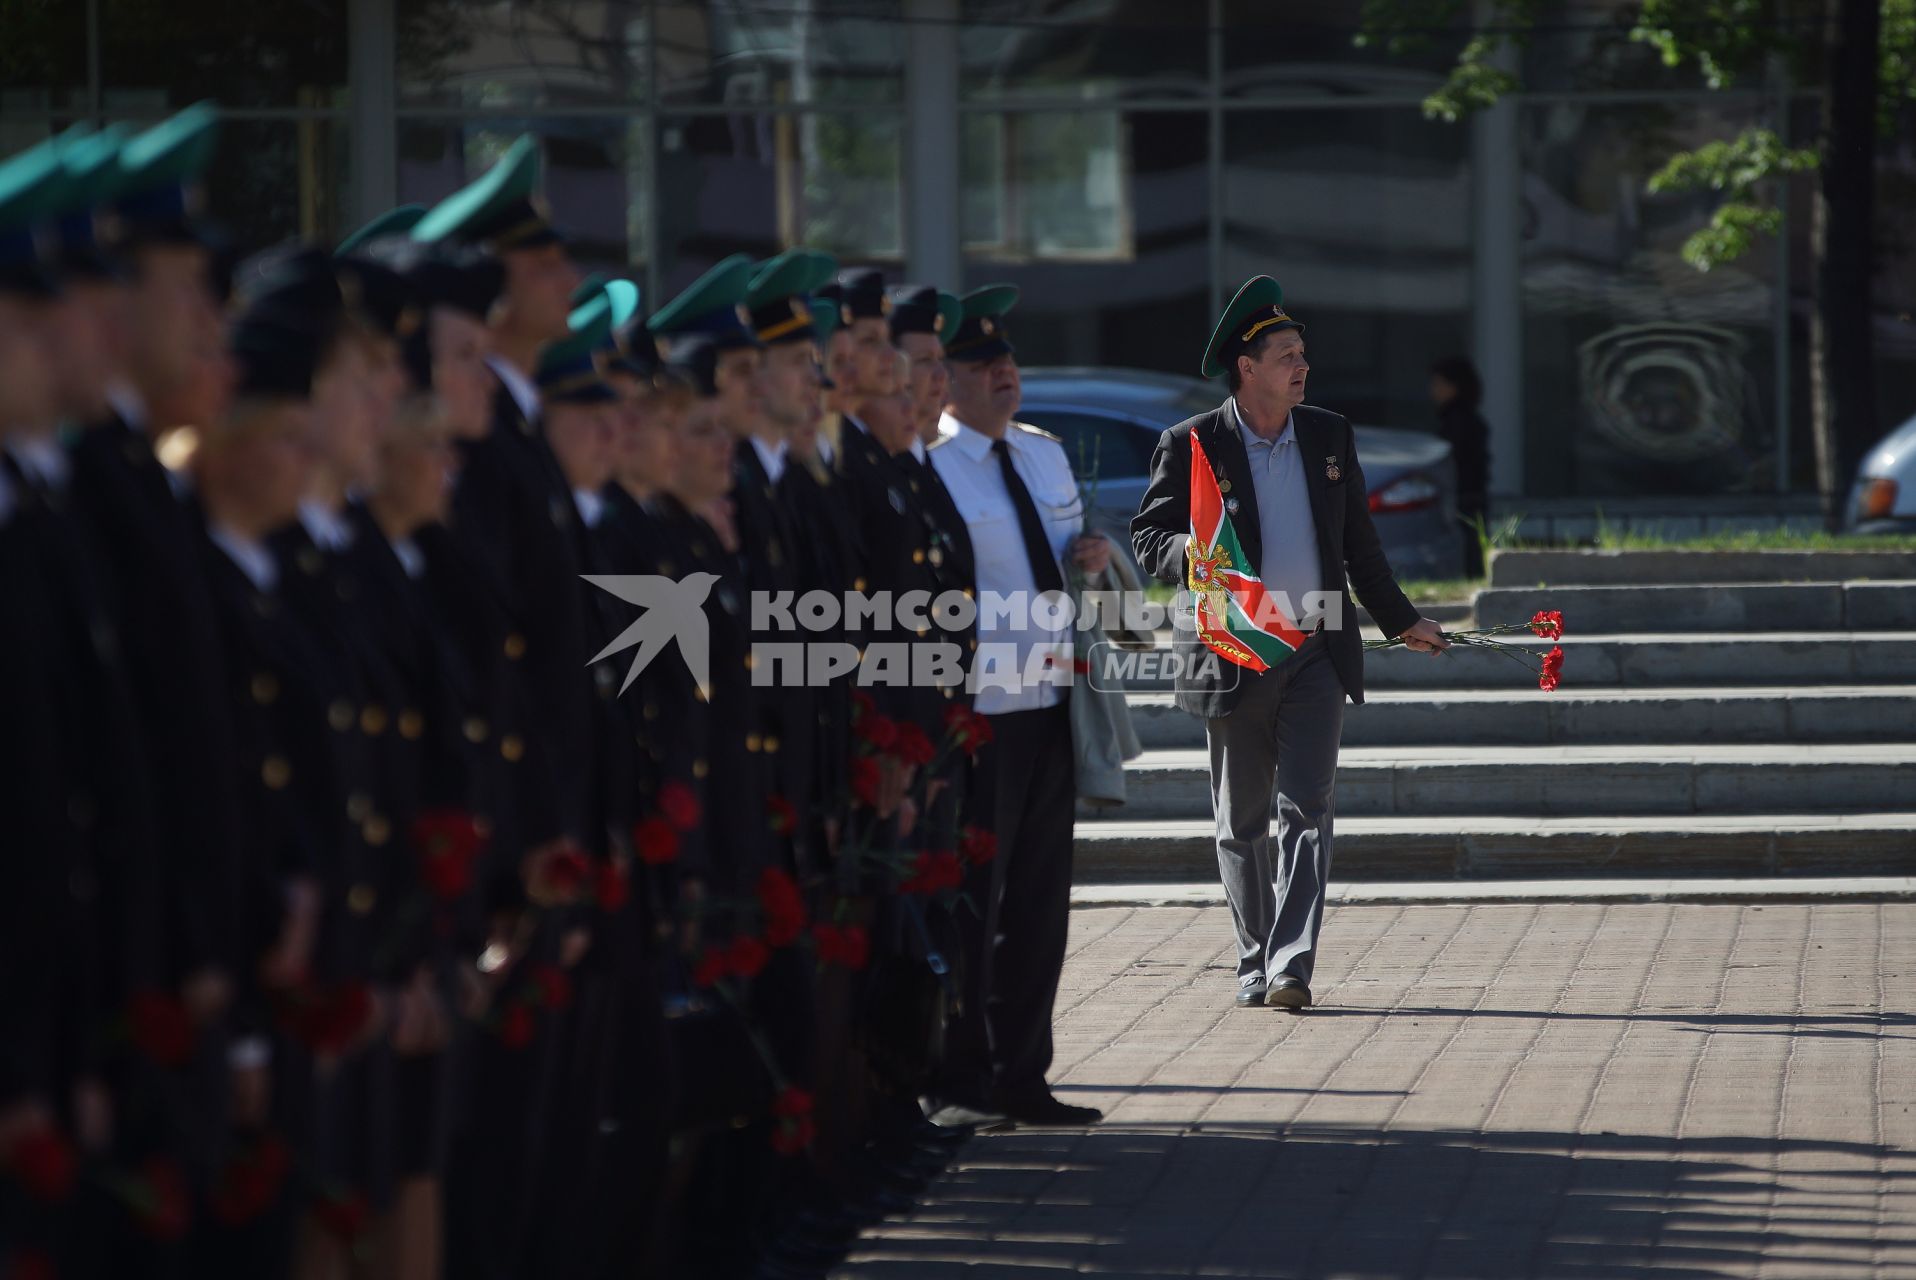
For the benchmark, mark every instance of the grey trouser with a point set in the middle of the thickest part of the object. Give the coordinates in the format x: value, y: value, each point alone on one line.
x: 1281, y: 739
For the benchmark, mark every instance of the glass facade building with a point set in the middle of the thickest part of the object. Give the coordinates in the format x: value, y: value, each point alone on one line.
x: 1126, y: 162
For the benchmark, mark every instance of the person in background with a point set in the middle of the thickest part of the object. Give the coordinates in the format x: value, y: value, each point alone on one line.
x: 1459, y: 394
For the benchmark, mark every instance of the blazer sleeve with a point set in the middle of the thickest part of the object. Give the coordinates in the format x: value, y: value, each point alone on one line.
x: 1364, y: 560
x: 1162, y: 527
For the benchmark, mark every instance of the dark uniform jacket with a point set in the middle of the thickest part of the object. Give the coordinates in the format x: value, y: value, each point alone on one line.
x: 1347, y: 543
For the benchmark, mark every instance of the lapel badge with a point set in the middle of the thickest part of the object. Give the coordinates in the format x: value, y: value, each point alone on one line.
x: 1331, y: 471
x: 1223, y: 486
x: 1230, y: 505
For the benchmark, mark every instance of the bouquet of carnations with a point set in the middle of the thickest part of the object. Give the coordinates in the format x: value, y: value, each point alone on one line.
x: 1546, y: 624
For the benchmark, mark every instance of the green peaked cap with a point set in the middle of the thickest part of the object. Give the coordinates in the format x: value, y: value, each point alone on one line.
x: 981, y: 333
x: 794, y: 273
x: 1257, y: 309
x: 496, y: 208
x: 92, y: 164
x: 32, y: 184
x: 710, y: 304
x: 623, y: 297
x: 172, y: 153
x: 568, y: 370
x: 393, y: 222
x: 951, y: 312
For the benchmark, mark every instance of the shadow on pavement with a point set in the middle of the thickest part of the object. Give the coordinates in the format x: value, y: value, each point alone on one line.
x: 1141, y: 1202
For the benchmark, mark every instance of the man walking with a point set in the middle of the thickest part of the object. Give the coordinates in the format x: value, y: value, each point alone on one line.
x: 1294, y: 492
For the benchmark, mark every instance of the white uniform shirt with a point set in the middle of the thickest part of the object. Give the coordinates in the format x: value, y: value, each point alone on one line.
x: 965, y: 462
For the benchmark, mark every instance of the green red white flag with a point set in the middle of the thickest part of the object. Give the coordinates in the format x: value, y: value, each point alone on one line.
x: 1236, y: 619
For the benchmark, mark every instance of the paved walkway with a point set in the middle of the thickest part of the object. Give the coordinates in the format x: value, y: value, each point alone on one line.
x: 1487, y: 1091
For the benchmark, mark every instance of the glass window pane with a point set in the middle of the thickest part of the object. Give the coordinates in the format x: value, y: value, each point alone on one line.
x: 593, y: 174
x: 1080, y: 49
x: 1589, y: 47
x: 1364, y: 218
x: 158, y: 55
x: 554, y: 53
x: 43, y: 56
x: 761, y: 183
x: 1124, y: 281
x: 1641, y: 374
x: 1047, y: 185
x: 272, y: 179
x: 781, y: 51
x: 1279, y: 50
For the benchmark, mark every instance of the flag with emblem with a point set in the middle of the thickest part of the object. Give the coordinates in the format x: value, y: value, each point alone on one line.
x: 1236, y: 618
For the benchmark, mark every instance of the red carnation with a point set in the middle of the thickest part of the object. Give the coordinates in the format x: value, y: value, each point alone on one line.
x: 516, y: 1026
x: 711, y: 968
x: 329, y: 1020
x: 342, y: 1214
x: 614, y: 887
x: 679, y: 805
x: 978, y: 845
x: 163, y: 1205
x: 30, y: 1264
x: 656, y: 841
x: 795, y: 1131
x: 555, y: 988
x: 863, y: 704
x: 865, y: 779
x: 935, y: 872
x: 251, y: 1182
x: 559, y: 872
x: 913, y: 746
x: 880, y: 731
x: 848, y: 946
x: 746, y: 956
x: 1547, y: 623
x: 968, y: 730
x: 780, y: 816
x: 43, y: 1163
x: 160, y: 1027
x: 782, y: 905
x: 1552, y: 670
x: 448, y: 843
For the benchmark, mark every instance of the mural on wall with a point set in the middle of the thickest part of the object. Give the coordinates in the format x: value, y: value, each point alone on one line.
x: 1668, y: 408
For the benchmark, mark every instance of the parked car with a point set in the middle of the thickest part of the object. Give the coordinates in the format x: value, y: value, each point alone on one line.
x: 1883, y: 499
x: 1110, y: 420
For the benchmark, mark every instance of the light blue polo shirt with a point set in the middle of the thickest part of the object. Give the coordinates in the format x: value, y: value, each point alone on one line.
x: 1290, y: 564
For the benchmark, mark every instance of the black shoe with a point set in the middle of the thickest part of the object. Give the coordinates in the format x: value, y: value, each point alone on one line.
x: 1289, y: 993
x: 1251, y: 994
x: 1046, y: 1109
x: 945, y: 1135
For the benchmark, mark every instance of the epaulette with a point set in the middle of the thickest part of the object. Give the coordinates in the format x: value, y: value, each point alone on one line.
x: 1038, y: 431
x: 941, y: 442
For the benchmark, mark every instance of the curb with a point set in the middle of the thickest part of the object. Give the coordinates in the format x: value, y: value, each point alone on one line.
x: 1447, y: 893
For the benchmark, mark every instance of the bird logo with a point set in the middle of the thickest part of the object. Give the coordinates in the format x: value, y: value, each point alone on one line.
x: 674, y: 610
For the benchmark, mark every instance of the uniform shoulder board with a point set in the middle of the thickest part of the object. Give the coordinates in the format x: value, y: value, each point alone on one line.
x: 1038, y: 431
x: 940, y: 442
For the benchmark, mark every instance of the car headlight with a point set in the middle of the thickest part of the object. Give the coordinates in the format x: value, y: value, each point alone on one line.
x: 1878, y: 498
x: 1406, y: 493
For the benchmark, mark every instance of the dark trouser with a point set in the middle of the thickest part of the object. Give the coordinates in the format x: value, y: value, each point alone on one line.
x: 1025, y: 788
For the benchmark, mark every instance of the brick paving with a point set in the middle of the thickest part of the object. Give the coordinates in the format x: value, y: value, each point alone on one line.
x: 1486, y: 1091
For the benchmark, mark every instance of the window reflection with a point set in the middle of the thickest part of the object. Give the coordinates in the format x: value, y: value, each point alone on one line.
x: 780, y: 51
x: 556, y: 52
x: 1083, y: 48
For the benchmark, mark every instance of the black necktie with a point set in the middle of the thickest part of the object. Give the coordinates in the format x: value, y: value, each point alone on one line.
x: 1044, y: 565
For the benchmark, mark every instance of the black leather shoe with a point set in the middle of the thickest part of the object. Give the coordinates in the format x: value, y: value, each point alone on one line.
x: 1251, y: 995
x: 1046, y: 1109
x: 1289, y: 993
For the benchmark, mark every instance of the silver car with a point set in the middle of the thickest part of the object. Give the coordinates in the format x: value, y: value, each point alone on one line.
x: 1110, y: 420
x: 1883, y: 500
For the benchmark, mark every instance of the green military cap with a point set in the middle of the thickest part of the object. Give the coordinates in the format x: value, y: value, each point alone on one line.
x: 712, y: 306
x: 393, y: 222
x: 1258, y: 308
x: 589, y: 288
x: 498, y: 209
x: 568, y: 370
x: 158, y: 178
x: 30, y: 187
x: 951, y: 312
x: 981, y: 333
x: 826, y: 300
x: 779, y: 297
x: 922, y: 308
x: 92, y: 164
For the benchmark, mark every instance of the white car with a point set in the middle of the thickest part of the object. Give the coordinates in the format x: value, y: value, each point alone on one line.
x: 1883, y: 499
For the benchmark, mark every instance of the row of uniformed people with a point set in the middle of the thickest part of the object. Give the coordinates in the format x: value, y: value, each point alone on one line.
x: 366, y: 923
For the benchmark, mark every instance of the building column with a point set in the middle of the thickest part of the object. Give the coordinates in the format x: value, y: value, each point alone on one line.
x: 1496, y: 281
x: 931, y: 163
x: 372, y: 91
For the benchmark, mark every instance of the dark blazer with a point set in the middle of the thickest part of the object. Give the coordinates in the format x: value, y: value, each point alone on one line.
x: 1347, y: 543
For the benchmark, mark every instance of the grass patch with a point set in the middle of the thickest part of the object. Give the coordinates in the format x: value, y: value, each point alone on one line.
x: 1616, y: 538
x: 1442, y: 590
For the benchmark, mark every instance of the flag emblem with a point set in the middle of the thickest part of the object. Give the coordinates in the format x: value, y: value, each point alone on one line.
x: 1236, y: 618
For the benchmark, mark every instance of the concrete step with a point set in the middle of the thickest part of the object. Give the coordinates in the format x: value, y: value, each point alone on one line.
x: 1490, y: 717
x: 1768, y: 844
x: 1591, y: 568
x: 1413, y: 782
x: 1732, y: 607
x: 1631, y: 660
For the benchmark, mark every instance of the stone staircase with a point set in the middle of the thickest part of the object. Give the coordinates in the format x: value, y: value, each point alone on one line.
x: 1720, y: 714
